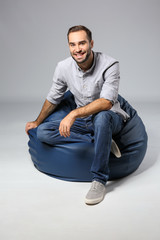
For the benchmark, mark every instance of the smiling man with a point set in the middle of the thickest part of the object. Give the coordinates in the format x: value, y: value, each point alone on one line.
x: 81, y: 51
x: 93, y: 79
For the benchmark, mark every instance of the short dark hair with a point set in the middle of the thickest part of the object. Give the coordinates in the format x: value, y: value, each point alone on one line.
x: 80, y: 28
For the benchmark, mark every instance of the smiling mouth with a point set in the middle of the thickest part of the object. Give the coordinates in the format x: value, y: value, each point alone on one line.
x: 79, y: 55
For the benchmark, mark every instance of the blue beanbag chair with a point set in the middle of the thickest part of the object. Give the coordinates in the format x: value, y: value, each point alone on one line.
x: 72, y: 161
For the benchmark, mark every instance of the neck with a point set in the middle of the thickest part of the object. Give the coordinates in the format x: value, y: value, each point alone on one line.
x: 87, y: 65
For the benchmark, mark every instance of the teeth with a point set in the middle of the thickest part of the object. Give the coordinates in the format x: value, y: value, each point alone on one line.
x: 79, y: 54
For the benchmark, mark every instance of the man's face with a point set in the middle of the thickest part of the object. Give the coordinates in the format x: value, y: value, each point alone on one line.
x: 79, y: 45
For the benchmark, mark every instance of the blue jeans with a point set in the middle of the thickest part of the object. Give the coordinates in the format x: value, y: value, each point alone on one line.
x: 98, y: 128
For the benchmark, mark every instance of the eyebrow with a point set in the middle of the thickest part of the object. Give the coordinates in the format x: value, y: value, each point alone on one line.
x: 83, y: 41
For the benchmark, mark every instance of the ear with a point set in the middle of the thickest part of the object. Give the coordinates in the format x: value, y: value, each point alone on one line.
x: 92, y: 43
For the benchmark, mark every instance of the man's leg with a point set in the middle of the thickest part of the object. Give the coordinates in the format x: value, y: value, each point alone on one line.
x: 106, y: 124
x: 48, y: 132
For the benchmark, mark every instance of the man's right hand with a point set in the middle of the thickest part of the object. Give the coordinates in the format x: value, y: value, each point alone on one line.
x: 31, y: 125
x: 47, y: 109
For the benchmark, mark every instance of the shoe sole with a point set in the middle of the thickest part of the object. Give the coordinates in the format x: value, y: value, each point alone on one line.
x: 115, y: 150
x: 93, y: 201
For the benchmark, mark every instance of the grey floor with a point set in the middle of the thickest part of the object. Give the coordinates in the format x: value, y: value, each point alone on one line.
x: 35, y: 206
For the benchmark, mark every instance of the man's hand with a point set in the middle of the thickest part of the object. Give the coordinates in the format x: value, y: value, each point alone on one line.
x: 65, y: 125
x: 47, y: 109
x: 98, y: 105
x: 30, y: 125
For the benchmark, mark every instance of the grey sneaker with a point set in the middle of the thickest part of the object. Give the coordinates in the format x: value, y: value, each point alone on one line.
x: 96, y: 193
x: 115, y: 150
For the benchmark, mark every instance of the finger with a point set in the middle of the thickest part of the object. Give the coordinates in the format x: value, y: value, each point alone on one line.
x: 68, y: 131
x: 61, y: 131
x: 65, y: 131
x: 27, y: 129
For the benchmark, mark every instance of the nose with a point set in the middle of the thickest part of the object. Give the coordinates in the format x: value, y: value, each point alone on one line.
x: 77, y: 48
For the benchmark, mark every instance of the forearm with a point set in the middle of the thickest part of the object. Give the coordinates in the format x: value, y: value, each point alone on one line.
x: 47, y: 109
x: 96, y: 106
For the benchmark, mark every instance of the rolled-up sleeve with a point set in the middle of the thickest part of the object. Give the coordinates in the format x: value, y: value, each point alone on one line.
x: 58, y: 88
x: 111, y: 83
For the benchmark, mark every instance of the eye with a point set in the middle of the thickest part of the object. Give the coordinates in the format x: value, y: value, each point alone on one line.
x: 72, y: 44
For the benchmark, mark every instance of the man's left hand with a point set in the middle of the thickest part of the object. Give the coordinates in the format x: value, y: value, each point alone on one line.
x: 65, y: 125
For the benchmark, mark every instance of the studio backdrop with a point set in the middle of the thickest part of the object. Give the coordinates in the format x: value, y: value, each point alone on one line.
x: 33, y: 40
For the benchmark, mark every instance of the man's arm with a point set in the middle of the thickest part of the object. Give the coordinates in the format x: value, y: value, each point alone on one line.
x: 96, y: 106
x: 47, y: 109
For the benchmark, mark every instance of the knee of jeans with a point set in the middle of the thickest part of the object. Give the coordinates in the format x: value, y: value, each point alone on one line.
x: 102, y: 119
x: 41, y: 133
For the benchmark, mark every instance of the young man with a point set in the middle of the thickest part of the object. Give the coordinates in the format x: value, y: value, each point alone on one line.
x: 93, y: 78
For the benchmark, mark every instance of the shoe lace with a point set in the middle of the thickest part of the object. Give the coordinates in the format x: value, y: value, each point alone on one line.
x: 95, y: 185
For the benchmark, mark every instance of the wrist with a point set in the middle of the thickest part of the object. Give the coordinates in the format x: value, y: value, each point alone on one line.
x: 37, y: 123
x: 74, y: 114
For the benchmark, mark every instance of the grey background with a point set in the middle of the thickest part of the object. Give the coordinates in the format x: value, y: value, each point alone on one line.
x: 33, y: 40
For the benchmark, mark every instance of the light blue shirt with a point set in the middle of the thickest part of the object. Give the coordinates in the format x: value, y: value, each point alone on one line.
x: 100, y: 81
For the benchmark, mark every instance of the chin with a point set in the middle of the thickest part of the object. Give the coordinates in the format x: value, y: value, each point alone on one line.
x: 81, y: 60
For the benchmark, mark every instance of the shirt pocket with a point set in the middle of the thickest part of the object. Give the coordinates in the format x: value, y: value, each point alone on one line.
x: 95, y: 89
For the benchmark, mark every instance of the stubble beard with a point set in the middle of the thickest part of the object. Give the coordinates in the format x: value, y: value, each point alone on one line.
x: 84, y: 60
